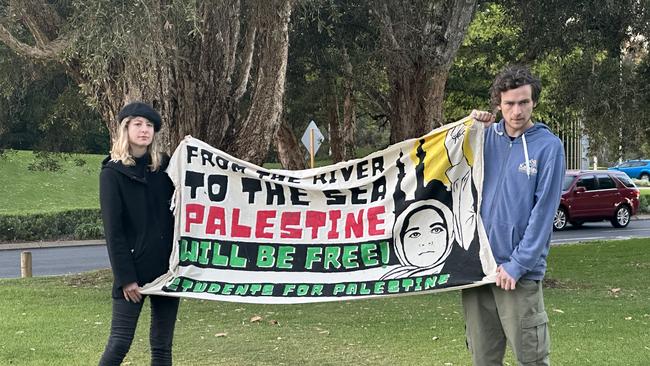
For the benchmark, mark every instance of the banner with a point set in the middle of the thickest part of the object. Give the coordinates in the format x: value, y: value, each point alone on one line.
x: 399, y: 221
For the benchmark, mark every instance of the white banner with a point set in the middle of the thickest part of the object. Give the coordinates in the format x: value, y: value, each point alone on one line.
x: 399, y: 221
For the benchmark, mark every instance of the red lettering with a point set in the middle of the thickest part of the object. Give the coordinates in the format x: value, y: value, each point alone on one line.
x: 216, y: 221
x: 193, y: 215
x: 335, y: 215
x: 374, y: 220
x: 315, y: 220
x: 353, y: 225
x: 238, y: 230
x: 263, y: 223
x: 287, y: 220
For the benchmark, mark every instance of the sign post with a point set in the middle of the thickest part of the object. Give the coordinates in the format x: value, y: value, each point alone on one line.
x: 312, y: 139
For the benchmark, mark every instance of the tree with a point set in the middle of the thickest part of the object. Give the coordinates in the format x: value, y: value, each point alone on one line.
x: 419, y: 40
x: 194, y: 61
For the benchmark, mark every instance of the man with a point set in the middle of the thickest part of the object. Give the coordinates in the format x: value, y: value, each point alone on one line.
x: 524, y: 169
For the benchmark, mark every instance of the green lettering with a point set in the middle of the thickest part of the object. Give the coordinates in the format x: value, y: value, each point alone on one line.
x: 368, y: 254
x: 338, y: 288
x: 364, y: 290
x: 302, y: 290
x: 289, y: 288
x: 385, y: 252
x: 241, y: 289
x: 350, y: 256
x: 214, y: 288
x: 393, y: 286
x: 443, y: 278
x: 235, y: 260
x: 407, y: 283
x: 313, y: 255
x: 379, y: 287
x: 285, y: 256
x: 265, y: 256
x: 218, y: 259
x: 430, y: 282
x: 317, y: 290
x: 174, y: 284
x: 255, y: 288
x: 187, y: 284
x: 200, y: 286
x: 267, y: 290
x: 203, y: 252
x: 351, y: 289
x: 227, y: 288
x: 331, y: 257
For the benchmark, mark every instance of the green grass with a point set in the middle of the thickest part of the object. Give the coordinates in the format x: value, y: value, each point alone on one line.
x: 72, y: 187
x: 598, y: 306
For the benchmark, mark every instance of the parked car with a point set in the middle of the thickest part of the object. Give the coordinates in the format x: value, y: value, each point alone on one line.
x: 636, y: 169
x: 598, y: 195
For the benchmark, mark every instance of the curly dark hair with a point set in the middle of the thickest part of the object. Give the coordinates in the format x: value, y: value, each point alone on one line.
x: 513, y: 77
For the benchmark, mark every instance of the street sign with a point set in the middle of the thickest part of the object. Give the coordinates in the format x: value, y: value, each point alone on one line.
x: 318, y: 136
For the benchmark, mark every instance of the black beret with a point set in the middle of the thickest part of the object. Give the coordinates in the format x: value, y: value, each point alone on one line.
x: 139, y: 109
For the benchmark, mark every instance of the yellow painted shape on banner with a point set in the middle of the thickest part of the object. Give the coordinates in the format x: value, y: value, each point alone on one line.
x: 436, y: 161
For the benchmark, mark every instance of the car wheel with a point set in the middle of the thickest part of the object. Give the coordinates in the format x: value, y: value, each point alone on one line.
x: 560, y: 219
x: 621, y: 216
x: 645, y: 177
x: 577, y: 223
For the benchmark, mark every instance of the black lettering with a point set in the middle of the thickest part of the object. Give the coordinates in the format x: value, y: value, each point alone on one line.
x: 271, y: 192
x: 236, y: 167
x: 193, y: 180
x: 222, y: 162
x: 191, y: 152
x: 377, y: 165
x: 347, y: 172
x: 219, y: 181
x: 251, y: 186
x: 356, y: 192
x: 296, y: 193
x: 378, y: 189
x: 206, y: 157
x: 334, y: 197
x: 362, y: 170
x: 321, y: 178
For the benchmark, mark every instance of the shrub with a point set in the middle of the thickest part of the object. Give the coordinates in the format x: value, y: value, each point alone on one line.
x: 77, y: 224
x: 644, y: 204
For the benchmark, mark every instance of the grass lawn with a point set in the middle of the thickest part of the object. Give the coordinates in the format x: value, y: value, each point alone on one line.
x: 598, y: 304
x: 25, y: 191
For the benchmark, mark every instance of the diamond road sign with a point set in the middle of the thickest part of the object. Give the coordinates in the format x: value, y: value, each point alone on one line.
x: 318, y: 136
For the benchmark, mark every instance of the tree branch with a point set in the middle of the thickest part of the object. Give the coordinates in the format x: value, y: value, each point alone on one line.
x: 247, y: 63
x: 49, y: 51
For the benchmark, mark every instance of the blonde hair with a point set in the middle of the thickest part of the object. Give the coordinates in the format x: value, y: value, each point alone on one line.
x: 121, y: 152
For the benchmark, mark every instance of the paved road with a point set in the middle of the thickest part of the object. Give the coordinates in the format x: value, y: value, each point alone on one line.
x: 57, y: 261
x: 602, y: 231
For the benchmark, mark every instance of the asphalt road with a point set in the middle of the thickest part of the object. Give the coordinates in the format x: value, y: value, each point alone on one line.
x: 602, y: 231
x: 55, y: 261
x: 67, y: 260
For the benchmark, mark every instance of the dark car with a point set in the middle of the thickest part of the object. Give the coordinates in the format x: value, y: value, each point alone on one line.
x: 637, y: 169
x: 596, y: 195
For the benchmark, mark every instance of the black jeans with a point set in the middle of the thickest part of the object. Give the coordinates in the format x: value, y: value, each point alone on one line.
x: 125, y: 319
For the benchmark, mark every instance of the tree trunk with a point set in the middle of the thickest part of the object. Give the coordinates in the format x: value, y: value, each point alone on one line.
x: 420, y: 40
x: 290, y: 154
x: 336, y: 144
x: 263, y: 118
x: 349, y: 112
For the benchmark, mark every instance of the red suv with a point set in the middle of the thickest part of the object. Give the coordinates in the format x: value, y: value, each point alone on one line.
x: 596, y: 195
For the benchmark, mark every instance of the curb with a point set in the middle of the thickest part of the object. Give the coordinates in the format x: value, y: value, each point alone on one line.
x: 51, y: 244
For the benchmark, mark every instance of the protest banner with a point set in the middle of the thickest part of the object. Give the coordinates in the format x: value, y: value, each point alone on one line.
x: 403, y: 220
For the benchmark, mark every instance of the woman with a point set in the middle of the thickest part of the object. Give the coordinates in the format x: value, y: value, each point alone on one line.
x: 135, y: 195
x: 423, y: 239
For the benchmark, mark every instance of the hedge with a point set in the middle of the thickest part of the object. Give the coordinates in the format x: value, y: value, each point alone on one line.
x: 74, y: 224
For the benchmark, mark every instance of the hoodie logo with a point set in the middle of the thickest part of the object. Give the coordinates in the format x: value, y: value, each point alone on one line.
x: 532, y: 166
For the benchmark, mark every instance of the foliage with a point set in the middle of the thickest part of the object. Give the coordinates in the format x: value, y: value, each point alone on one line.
x: 596, y: 298
x: 74, y: 224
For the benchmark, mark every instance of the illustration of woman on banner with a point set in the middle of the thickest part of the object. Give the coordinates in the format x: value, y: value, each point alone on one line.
x: 443, y: 211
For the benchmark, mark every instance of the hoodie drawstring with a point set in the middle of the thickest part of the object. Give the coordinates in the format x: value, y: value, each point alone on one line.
x: 523, y: 139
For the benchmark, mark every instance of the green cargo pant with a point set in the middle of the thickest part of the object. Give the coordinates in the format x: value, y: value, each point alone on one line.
x: 494, y: 316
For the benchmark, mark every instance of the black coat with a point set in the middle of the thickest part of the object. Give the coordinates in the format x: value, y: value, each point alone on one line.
x: 138, y: 226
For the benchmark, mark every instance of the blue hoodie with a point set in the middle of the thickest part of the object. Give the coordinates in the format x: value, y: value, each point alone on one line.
x: 520, y: 200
